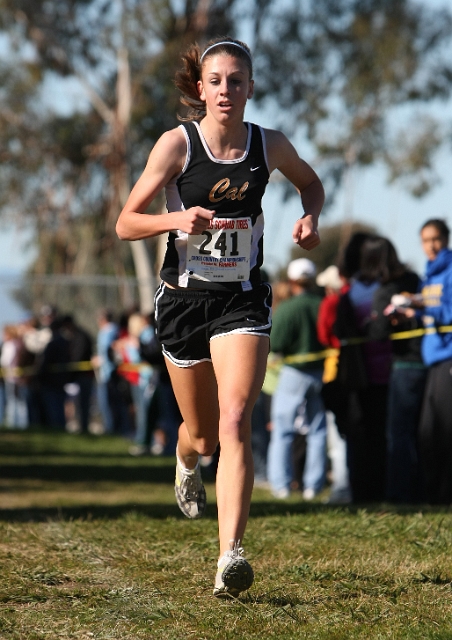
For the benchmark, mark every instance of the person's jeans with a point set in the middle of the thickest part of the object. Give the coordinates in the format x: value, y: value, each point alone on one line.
x: 337, y: 452
x: 104, y: 406
x: 142, y: 396
x: 169, y: 417
x: 297, y: 394
x: 16, y: 414
x: 260, y: 437
x: 406, y: 390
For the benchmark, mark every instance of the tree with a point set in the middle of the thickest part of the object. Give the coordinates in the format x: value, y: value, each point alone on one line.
x: 336, y: 69
x: 344, y: 71
x: 73, y: 186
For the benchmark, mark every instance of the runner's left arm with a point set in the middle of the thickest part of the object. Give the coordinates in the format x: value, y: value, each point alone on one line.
x: 283, y: 156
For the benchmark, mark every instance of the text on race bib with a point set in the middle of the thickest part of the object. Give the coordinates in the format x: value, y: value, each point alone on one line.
x: 222, y: 252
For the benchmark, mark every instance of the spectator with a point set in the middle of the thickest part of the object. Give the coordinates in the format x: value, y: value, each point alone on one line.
x: 36, y: 335
x: 81, y: 353
x: 26, y: 363
x: 53, y: 372
x: 436, y: 422
x: 334, y: 286
x: 164, y: 415
x: 105, y: 366
x: 298, y: 392
x: 407, y: 380
x: 363, y: 372
x: 261, y: 416
x: 121, y: 380
x: 140, y: 376
x: 16, y: 407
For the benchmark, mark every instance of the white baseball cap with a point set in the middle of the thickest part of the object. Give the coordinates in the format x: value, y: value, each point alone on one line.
x: 301, y: 269
x: 330, y: 278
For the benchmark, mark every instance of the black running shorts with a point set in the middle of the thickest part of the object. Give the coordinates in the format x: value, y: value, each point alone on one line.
x: 186, y: 319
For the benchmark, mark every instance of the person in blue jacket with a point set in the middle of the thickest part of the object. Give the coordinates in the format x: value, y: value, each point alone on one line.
x: 435, y: 429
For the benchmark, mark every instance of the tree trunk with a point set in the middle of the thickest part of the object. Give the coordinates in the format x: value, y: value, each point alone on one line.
x: 144, y: 274
x: 140, y: 254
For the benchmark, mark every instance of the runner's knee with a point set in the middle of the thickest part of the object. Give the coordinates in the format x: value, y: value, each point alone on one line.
x: 205, y: 446
x: 234, y: 424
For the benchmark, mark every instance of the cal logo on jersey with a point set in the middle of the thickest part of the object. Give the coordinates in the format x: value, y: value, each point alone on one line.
x: 223, y: 190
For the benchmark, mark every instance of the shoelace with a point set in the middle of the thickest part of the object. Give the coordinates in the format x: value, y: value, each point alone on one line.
x: 189, y: 486
x: 236, y: 550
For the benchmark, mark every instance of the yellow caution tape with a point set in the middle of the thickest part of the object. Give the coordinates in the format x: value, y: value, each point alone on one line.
x: 303, y: 358
x: 275, y: 362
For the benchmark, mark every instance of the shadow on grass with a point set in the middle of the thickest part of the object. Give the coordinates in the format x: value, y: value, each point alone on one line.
x: 61, y: 457
x: 70, y: 454
x: 279, y: 508
x: 90, y: 472
x: 167, y: 510
x: 73, y: 459
x: 97, y: 512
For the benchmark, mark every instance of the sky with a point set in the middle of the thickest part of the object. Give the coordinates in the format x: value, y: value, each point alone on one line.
x: 368, y: 199
x: 389, y: 208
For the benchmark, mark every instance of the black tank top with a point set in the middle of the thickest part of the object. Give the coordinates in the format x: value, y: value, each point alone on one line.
x: 230, y: 188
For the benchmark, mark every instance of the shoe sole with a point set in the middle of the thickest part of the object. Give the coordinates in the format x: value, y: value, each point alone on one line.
x: 238, y: 576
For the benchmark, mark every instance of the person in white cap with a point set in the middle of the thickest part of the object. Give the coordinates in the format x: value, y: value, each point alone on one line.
x: 334, y: 284
x: 297, y: 398
x: 212, y: 310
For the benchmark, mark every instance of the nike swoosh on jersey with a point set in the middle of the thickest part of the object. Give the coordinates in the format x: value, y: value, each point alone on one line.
x: 255, y: 168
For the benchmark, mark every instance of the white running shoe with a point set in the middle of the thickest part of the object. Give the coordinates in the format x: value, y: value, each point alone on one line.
x: 234, y: 574
x: 190, y: 492
x: 309, y: 494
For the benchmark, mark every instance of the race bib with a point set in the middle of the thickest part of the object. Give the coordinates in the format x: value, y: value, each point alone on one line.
x: 222, y: 252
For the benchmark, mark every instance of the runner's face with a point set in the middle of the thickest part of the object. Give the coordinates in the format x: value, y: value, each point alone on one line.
x: 432, y: 241
x: 225, y: 86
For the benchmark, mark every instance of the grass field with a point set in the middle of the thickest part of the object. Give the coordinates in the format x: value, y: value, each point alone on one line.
x: 92, y: 545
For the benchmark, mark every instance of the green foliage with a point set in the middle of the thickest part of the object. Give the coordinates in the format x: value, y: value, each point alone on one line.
x: 68, y: 176
x: 339, y: 71
x: 343, y: 73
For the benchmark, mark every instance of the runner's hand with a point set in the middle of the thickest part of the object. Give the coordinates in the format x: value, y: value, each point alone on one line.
x: 305, y: 233
x: 194, y: 220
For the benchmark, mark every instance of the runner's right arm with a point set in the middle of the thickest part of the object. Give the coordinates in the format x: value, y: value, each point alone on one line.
x: 165, y: 162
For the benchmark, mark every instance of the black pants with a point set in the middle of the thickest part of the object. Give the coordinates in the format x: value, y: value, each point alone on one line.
x: 435, y: 434
x: 406, y: 391
x: 366, y: 443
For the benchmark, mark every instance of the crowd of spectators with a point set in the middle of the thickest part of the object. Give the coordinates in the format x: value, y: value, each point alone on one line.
x: 375, y: 408
x: 112, y: 379
x: 358, y: 386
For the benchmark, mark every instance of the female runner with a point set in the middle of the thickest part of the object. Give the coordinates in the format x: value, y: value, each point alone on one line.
x: 212, y: 311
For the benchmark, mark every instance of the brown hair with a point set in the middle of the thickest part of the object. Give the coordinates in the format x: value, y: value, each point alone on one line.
x: 187, y: 78
x: 379, y: 261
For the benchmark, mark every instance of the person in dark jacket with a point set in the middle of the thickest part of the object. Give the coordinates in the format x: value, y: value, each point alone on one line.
x: 80, y: 352
x: 53, y: 373
x: 407, y: 378
x: 363, y: 371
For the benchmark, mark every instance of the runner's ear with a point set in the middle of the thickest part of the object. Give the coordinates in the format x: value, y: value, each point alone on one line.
x: 202, y: 95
